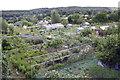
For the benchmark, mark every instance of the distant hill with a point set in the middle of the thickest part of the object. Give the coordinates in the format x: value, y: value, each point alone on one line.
x: 61, y: 10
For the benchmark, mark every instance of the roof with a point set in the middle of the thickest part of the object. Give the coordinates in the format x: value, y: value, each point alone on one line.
x: 52, y: 26
x: 104, y: 27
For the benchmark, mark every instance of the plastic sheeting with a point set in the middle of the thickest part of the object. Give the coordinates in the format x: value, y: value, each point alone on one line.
x: 103, y: 65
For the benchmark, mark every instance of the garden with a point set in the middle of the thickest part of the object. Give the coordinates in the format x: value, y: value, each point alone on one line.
x: 30, y: 50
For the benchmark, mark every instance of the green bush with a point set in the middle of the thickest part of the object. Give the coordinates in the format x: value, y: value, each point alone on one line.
x: 86, y: 32
x: 50, y: 68
x: 17, y: 33
x: 58, y: 66
x: 96, y: 71
x: 34, y: 40
x: 6, y: 44
x: 107, y: 50
x: 111, y: 30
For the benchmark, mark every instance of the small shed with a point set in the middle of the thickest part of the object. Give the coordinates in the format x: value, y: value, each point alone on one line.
x: 104, y: 27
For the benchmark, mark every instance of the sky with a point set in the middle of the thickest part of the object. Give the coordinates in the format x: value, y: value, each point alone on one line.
x: 33, y: 4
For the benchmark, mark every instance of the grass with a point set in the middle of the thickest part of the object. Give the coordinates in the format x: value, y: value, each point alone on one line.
x: 96, y: 71
x: 20, y: 30
x: 90, y: 69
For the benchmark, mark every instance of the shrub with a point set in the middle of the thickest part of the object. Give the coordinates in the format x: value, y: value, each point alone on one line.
x: 34, y: 40
x: 107, y: 50
x: 50, y: 68
x: 58, y: 66
x: 86, y: 32
x: 6, y: 45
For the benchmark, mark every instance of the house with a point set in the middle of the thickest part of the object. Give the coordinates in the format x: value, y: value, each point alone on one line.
x: 85, y: 25
x: 104, y: 27
x: 53, y: 26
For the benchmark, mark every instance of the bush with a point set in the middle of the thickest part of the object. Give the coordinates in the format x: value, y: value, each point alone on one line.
x: 58, y: 66
x: 6, y: 45
x: 34, y: 40
x: 86, y: 32
x: 24, y: 22
x: 107, y: 50
x: 17, y: 33
x: 75, y: 50
x: 112, y: 30
x: 54, y: 43
x: 50, y: 68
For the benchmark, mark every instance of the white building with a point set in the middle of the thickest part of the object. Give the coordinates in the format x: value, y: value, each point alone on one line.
x: 53, y: 26
x: 104, y: 27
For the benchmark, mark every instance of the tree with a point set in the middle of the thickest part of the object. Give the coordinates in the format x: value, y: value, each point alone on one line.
x: 101, y: 17
x: 32, y: 18
x: 55, y: 17
x: 64, y: 21
x: 6, y: 44
x: 47, y: 18
x: 114, y: 17
x: 112, y: 30
x: 10, y: 29
x: 107, y: 50
x: 74, y: 18
x: 24, y: 22
x: 4, y: 26
x: 40, y: 16
x: 118, y: 12
x: 0, y: 24
x: 54, y: 43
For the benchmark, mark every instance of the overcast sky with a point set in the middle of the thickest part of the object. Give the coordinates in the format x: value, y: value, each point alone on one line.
x: 32, y: 4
